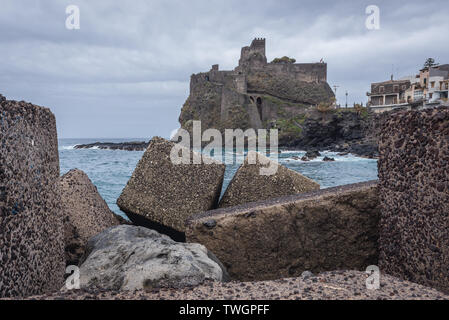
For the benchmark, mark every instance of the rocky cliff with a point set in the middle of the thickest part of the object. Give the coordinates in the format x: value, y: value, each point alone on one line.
x: 256, y: 94
x: 293, y: 98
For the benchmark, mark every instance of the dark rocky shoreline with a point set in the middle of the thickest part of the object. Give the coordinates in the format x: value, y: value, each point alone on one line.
x: 361, y: 149
x: 128, y: 146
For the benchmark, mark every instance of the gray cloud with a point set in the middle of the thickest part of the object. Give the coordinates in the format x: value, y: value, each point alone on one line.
x: 125, y: 73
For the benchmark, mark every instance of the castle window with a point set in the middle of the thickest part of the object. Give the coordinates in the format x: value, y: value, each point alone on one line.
x: 259, y: 107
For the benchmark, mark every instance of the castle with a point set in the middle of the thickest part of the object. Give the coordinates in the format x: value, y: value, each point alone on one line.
x: 256, y: 92
x: 253, y: 58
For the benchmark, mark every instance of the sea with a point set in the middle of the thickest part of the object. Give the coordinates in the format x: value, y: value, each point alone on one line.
x: 110, y: 170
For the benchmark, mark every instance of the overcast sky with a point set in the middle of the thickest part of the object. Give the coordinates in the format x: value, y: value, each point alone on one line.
x: 125, y: 72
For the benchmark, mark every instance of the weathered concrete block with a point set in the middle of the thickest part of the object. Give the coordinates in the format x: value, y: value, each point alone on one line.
x: 249, y: 185
x: 85, y: 213
x: 31, y: 233
x: 329, y: 229
x: 414, y: 193
x: 161, y: 195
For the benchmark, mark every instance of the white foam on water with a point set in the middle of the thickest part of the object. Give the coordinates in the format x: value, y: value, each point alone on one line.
x: 66, y: 147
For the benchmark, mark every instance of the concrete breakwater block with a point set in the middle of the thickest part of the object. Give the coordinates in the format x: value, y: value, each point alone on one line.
x: 414, y: 194
x: 31, y: 233
x: 249, y: 185
x: 85, y: 213
x: 161, y: 195
x: 329, y: 229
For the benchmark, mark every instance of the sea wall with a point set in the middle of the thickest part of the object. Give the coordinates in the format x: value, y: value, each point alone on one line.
x: 31, y: 234
x: 329, y: 229
x: 414, y: 193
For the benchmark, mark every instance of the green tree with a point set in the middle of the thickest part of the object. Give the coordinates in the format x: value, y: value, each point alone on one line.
x: 430, y: 62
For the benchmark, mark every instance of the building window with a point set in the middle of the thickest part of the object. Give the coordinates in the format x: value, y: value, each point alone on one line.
x: 382, y: 89
x: 395, y: 88
x: 430, y: 95
x: 432, y: 84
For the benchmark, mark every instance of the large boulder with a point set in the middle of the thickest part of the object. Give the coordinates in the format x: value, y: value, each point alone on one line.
x: 133, y: 258
x: 249, y: 185
x: 31, y: 233
x: 161, y: 194
x: 85, y: 213
x: 329, y: 229
x: 414, y: 193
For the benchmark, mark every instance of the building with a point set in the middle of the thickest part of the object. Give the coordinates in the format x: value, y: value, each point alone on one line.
x: 388, y: 95
x: 426, y: 89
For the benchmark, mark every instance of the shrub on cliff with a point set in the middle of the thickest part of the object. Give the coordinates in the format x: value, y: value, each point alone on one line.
x: 284, y: 59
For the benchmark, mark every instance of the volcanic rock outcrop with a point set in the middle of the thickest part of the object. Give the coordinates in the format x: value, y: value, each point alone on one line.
x: 414, y: 194
x: 131, y: 258
x: 335, y: 228
x: 256, y: 94
x: 161, y: 194
x: 128, y: 146
x: 85, y: 213
x: 31, y: 233
x: 249, y: 184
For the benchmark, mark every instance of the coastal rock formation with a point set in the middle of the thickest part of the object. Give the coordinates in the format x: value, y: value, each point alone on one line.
x: 256, y: 94
x: 128, y: 146
x: 85, y: 213
x: 414, y: 193
x: 329, y: 229
x: 161, y: 195
x: 249, y: 185
x: 333, y: 285
x: 137, y: 258
x: 294, y: 98
x: 31, y: 233
x: 340, y: 130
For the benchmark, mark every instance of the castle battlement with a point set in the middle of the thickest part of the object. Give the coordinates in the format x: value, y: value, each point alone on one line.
x: 253, y: 60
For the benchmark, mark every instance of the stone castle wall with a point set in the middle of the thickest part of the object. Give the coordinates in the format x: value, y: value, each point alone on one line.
x: 309, y: 72
x: 414, y: 193
x: 31, y: 233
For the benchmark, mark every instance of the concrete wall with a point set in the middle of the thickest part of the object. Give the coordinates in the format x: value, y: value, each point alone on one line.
x: 330, y: 229
x: 31, y: 233
x: 414, y: 193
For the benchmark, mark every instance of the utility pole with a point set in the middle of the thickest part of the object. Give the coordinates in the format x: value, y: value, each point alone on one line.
x: 346, y: 99
x: 335, y: 90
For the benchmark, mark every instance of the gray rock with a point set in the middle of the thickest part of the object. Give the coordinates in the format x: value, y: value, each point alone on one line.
x: 249, y: 185
x: 31, y: 236
x: 129, y: 258
x: 307, y: 274
x: 85, y: 213
x: 161, y: 195
x: 323, y: 230
x: 414, y: 193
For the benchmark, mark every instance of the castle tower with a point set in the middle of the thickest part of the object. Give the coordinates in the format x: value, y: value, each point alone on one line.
x: 253, y: 56
x: 258, y: 45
